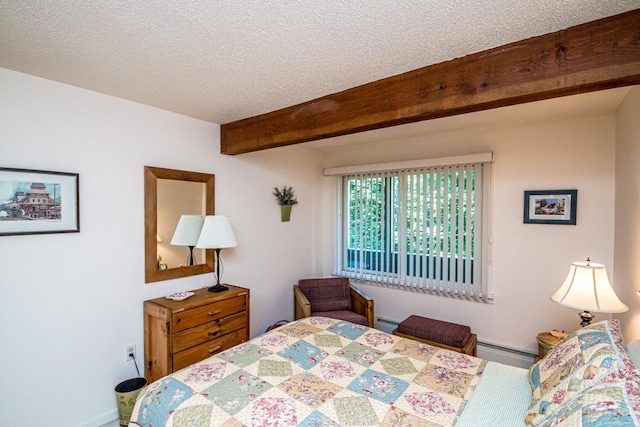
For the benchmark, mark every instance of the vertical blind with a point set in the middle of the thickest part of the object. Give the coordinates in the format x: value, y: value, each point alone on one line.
x: 419, y: 229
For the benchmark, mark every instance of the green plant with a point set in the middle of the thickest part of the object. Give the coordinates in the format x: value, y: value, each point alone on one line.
x: 285, y: 196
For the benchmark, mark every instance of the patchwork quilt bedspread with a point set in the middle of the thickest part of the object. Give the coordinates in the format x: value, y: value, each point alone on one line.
x: 316, y: 372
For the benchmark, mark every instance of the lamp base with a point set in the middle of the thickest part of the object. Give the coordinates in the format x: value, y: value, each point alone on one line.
x: 218, y: 288
x: 586, y: 318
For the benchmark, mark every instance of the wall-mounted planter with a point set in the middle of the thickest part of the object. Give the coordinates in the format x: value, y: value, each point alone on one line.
x: 285, y: 212
x: 286, y: 199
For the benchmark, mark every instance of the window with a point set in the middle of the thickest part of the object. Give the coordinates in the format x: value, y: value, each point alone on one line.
x: 420, y: 228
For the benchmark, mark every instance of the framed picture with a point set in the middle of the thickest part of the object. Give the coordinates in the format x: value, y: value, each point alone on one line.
x: 38, y: 202
x: 550, y: 207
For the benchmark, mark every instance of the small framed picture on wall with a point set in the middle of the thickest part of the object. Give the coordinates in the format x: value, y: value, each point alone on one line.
x: 550, y: 207
x: 38, y: 202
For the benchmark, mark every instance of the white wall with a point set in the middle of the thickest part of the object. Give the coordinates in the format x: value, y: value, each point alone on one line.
x: 627, y: 232
x: 71, y: 302
x: 528, y: 262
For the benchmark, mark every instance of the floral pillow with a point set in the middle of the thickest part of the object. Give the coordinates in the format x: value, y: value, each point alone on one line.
x: 603, y: 405
x: 587, y: 357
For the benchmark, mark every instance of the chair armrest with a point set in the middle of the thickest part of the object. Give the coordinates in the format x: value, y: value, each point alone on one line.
x: 301, y: 304
x: 362, y: 303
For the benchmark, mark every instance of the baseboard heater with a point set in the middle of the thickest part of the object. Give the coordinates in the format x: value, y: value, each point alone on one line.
x: 386, y: 325
x: 486, y: 350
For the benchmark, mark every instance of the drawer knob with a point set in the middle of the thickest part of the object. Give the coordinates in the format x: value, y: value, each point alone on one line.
x: 213, y: 313
x: 214, y: 349
x: 215, y: 331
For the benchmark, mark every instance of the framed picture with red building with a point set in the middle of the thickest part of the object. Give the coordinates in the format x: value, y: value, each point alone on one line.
x: 38, y: 202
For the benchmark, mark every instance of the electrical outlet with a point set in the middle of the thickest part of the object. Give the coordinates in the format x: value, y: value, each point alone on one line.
x: 129, y: 352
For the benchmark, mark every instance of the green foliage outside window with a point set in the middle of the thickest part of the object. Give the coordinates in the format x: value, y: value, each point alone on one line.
x: 430, y: 208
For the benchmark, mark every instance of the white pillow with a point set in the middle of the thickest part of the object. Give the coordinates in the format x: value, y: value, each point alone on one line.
x: 633, y: 348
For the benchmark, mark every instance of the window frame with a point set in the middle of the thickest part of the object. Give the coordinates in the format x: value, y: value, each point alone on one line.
x: 477, y: 291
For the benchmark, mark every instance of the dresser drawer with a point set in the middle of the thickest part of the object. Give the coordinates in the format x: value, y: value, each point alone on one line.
x: 209, y: 348
x: 208, y: 331
x: 197, y: 316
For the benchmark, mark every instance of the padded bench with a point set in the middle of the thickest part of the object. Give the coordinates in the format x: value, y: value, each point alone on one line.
x: 439, y: 333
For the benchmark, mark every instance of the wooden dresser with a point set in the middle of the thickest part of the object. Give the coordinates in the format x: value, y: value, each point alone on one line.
x: 179, y: 333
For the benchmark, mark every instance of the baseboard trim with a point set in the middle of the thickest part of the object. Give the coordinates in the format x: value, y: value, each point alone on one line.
x: 100, y: 420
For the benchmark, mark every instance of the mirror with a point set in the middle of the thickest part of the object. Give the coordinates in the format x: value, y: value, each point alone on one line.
x: 169, y: 193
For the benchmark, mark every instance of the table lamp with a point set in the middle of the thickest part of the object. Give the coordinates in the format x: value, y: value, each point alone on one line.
x: 187, y: 233
x: 587, y: 288
x: 217, y: 234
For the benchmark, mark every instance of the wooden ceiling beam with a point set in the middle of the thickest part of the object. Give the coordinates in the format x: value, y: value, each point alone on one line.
x: 598, y: 55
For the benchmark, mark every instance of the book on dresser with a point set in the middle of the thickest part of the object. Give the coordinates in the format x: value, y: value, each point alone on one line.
x: 178, y: 333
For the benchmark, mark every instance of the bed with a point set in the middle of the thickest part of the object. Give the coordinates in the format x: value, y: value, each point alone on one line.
x: 324, y: 372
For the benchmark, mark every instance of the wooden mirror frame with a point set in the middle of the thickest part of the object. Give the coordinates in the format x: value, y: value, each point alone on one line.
x: 151, y: 175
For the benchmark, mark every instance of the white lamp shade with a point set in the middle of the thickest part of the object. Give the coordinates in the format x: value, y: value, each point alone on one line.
x: 188, y: 230
x: 217, y: 233
x: 587, y: 287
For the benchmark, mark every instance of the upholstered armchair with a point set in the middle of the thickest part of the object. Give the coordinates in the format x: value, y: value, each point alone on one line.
x: 332, y: 297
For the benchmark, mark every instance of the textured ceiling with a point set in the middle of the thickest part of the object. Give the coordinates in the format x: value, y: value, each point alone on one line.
x: 225, y: 60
